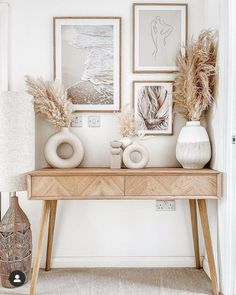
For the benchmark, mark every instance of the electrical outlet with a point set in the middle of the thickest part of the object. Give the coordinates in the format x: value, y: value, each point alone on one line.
x: 76, y: 121
x: 165, y: 205
x: 93, y: 121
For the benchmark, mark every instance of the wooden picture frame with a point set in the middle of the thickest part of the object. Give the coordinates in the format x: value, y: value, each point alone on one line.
x: 87, y: 60
x: 153, y: 107
x: 159, y: 32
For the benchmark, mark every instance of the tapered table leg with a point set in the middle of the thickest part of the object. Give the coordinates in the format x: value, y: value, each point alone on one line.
x: 208, y: 245
x: 193, y: 212
x: 52, y: 218
x: 42, y: 230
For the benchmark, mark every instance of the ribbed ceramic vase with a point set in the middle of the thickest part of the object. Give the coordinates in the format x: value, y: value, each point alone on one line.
x: 51, y: 147
x: 193, y: 150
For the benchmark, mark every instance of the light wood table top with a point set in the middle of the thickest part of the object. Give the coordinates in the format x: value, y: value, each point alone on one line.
x: 123, y: 171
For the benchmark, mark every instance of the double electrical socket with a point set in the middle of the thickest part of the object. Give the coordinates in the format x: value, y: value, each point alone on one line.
x: 77, y: 121
x: 93, y: 121
x: 165, y: 205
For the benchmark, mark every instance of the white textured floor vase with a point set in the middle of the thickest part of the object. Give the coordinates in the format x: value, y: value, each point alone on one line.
x: 193, y: 149
x: 53, y: 143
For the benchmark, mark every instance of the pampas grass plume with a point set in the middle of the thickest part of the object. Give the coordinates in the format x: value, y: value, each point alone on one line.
x: 196, y: 80
x: 50, y: 101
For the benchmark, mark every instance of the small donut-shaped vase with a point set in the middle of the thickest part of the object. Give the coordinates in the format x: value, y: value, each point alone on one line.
x: 51, y: 146
x: 135, y: 148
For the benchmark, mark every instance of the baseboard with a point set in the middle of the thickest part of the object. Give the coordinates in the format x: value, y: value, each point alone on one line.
x: 116, y: 261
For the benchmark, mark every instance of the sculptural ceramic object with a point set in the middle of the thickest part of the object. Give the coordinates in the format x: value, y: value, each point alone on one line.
x: 129, y: 157
x: 116, y: 154
x: 63, y: 136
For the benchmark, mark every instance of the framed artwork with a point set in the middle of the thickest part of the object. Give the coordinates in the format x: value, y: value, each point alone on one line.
x: 159, y: 32
x: 152, y: 103
x: 4, y: 46
x: 87, y: 60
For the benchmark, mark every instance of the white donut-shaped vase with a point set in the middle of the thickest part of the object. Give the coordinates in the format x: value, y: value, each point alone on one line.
x: 138, y: 148
x: 51, y: 146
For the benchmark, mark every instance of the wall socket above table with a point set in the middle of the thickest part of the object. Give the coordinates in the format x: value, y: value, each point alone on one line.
x: 93, y: 121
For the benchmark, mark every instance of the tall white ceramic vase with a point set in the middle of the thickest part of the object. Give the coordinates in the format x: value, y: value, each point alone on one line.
x: 193, y: 149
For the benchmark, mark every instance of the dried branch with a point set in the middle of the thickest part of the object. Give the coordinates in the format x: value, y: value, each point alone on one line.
x: 195, y: 82
x: 50, y: 101
x: 127, y: 124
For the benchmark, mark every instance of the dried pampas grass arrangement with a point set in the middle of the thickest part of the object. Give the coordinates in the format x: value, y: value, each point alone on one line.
x: 195, y: 82
x: 127, y: 124
x: 50, y: 101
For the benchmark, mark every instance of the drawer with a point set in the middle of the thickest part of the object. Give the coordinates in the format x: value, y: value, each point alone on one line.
x: 75, y: 187
x: 171, y: 185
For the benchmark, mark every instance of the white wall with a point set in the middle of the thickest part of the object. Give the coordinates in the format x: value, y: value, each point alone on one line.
x: 101, y: 228
x: 212, y: 20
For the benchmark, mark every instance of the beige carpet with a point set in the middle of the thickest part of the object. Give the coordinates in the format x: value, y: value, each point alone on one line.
x: 113, y: 281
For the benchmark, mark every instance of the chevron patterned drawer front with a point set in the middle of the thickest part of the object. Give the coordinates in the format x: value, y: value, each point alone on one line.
x: 173, y: 185
x: 77, y: 187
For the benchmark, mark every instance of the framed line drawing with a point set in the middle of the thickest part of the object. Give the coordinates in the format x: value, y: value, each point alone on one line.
x: 87, y: 60
x: 159, y: 32
x: 152, y: 104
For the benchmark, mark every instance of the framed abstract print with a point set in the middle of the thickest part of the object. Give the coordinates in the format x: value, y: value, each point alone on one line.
x: 87, y: 60
x: 159, y: 33
x: 152, y: 103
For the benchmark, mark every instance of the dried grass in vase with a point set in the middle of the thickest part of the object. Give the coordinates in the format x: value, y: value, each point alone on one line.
x: 127, y: 124
x: 50, y: 101
x: 195, y: 82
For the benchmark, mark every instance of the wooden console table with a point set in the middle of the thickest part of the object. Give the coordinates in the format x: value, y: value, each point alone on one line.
x: 50, y: 185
